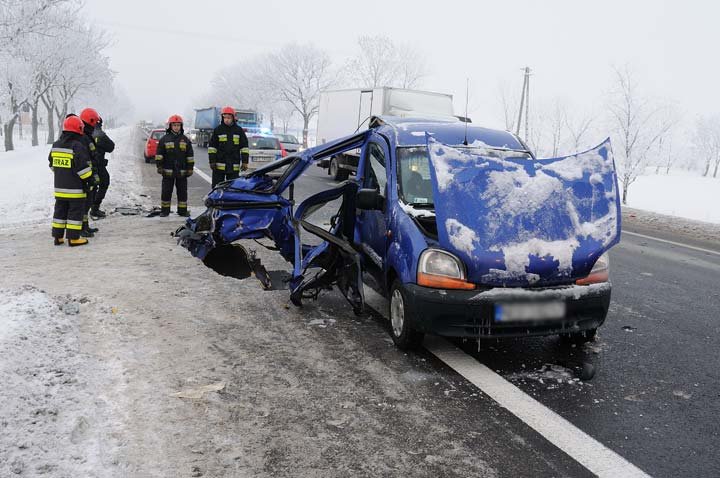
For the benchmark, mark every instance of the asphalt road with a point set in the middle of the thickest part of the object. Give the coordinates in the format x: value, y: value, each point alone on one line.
x: 655, y: 396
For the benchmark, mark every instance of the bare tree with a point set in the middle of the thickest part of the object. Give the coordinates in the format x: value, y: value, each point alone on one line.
x: 509, y: 102
x: 577, y: 126
x: 558, y: 118
x: 638, y: 124
x: 381, y: 62
x: 297, y: 74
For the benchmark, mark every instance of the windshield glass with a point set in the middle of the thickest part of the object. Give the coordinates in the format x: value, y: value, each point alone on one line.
x: 288, y: 138
x: 157, y: 134
x: 262, y: 142
x: 245, y: 117
x: 414, y: 177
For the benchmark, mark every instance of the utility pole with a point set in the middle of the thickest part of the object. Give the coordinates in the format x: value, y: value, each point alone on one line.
x: 524, y: 103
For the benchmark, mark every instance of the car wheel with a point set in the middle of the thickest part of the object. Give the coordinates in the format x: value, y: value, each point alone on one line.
x: 401, y: 327
x: 147, y: 159
x: 579, y: 338
x: 336, y: 172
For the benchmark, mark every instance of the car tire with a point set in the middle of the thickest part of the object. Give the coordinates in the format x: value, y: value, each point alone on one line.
x: 579, y: 338
x: 147, y: 159
x: 336, y: 172
x: 402, y: 330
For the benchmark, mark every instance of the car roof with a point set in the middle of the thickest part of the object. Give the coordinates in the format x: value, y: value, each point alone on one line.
x: 451, y: 131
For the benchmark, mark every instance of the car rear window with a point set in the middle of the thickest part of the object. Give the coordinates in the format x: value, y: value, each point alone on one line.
x: 262, y: 142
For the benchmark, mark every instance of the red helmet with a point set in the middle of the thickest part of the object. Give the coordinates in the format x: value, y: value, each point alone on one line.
x: 228, y: 110
x: 90, y: 116
x: 73, y: 124
x: 174, y: 119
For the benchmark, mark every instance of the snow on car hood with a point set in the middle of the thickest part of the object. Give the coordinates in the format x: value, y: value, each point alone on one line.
x: 520, y: 222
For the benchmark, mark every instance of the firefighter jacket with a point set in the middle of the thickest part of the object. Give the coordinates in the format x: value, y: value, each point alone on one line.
x: 89, y: 143
x: 103, y: 144
x: 228, y: 148
x: 174, y: 155
x: 70, y: 162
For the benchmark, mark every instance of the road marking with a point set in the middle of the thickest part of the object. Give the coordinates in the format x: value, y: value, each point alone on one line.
x: 580, y: 446
x: 680, y: 244
x: 203, y: 175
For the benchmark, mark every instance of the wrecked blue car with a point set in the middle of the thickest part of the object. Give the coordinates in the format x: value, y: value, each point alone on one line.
x: 460, y: 227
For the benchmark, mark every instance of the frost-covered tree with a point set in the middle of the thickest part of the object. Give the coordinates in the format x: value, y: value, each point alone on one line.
x: 706, y: 140
x: 637, y: 123
x: 296, y: 74
x: 577, y: 127
x: 381, y: 62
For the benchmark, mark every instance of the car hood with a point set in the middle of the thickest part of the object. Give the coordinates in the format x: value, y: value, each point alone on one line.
x: 520, y: 222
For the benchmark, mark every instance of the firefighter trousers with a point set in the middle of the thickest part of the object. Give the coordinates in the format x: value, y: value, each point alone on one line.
x: 68, y: 218
x: 103, y: 187
x: 180, y: 183
x: 219, y: 176
x: 87, y: 205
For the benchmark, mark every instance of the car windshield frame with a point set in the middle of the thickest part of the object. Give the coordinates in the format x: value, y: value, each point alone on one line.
x: 158, y: 133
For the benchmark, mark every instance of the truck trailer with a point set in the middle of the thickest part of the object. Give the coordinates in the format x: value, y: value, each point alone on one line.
x: 342, y: 112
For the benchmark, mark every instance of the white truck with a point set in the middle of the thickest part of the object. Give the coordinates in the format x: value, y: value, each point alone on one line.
x: 342, y: 112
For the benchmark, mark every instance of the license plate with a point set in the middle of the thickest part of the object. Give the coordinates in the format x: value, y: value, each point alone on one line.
x: 261, y: 159
x: 529, y: 312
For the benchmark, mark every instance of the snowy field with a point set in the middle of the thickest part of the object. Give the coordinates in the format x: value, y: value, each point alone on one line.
x: 26, y: 184
x: 681, y: 193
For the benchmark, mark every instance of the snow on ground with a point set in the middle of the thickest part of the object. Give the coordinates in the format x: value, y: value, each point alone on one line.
x: 683, y: 194
x: 48, y: 388
x: 26, y: 184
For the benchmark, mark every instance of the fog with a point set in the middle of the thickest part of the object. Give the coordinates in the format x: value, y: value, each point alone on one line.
x: 165, y: 53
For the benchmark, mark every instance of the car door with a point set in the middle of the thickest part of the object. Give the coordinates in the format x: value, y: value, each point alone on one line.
x: 372, y: 224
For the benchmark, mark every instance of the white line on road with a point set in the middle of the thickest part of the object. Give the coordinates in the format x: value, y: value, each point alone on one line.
x: 203, y: 175
x: 584, y: 449
x: 680, y: 244
x: 580, y: 446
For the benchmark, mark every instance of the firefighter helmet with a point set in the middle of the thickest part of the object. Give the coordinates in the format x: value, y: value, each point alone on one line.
x: 175, y: 119
x: 90, y: 116
x: 228, y: 110
x: 73, y: 124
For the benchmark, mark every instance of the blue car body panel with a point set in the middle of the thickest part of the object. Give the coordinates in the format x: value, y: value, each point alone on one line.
x: 531, y: 222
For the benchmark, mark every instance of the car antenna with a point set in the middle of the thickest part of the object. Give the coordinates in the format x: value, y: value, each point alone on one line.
x: 467, y: 89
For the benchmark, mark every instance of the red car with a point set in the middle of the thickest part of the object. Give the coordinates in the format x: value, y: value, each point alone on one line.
x: 151, y: 144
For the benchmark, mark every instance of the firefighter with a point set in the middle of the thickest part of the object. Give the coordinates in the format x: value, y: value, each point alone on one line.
x: 175, y: 161
x: 69, y: 160
x: 103, y: 145
x: 90, y: 119
x: 228, y: 149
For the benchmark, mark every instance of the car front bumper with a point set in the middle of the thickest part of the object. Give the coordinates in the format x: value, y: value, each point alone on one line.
x: 454, y: 313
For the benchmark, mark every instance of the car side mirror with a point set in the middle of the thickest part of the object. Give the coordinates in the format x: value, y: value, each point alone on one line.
x: 370, y: 200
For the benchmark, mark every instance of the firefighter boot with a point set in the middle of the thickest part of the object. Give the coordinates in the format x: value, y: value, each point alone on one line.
x: 97, y: 213
x: 77, y: 242
x: 86, y: 231
x: 59, y: 241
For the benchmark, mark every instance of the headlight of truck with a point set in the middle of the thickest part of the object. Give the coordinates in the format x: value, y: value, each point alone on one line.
x: 599, y: 273
x: 441, y: 270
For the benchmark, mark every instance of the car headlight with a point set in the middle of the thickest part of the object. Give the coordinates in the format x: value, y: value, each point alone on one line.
x: 599, y: 273
x: 441, y: 270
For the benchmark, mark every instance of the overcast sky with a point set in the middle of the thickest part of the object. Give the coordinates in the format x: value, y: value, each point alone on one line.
x: 165, y: 53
